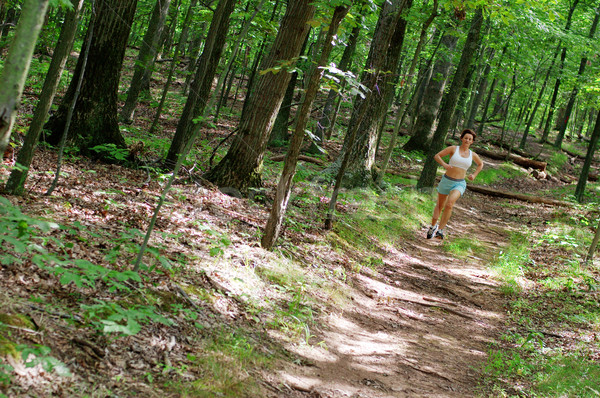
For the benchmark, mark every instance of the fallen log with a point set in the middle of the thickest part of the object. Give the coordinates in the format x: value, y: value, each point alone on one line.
x: 280, y: 158
x: 518, y: 151
x: 521, y: 161
x: 518, y: 196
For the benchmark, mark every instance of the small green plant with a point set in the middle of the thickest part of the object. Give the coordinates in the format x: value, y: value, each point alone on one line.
x: 39, y: 355
x: 510, y: 262
x: 113, y: 318
x: 557, y: 162
x: 111, y: 151
x: 507, y: 170
x: 463, y: 247
x: 570, y: 376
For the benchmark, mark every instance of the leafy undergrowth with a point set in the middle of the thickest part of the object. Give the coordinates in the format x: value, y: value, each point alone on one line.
x: 551, y: 347
x: 208, y: 313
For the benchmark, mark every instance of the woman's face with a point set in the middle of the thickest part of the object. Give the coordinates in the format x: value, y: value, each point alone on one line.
x: 467, y: 139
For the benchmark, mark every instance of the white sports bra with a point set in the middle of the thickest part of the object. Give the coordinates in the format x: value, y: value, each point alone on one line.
x: 458, y: 161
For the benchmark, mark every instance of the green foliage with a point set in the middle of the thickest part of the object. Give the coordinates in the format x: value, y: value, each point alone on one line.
x: 507, y: 170
x: 510, y: 262
x: 343, y: 81
x: 39, y: 355
x: 556, y: 300
x: 111, y: 152
x: 224, y: 360
x: 383, y: 219
x: 463, y: 247
x: 557, y: 162
x: 125, y: 321
x: 571, y: 376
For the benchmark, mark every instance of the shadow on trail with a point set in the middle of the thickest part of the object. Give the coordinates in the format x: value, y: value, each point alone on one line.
x: 420, y: 326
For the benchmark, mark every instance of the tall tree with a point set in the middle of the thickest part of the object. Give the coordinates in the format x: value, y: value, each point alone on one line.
x: 403, y: 104
x: 561, y: 66
x: 538, y: 101
x: 569, y: 108
x: 427, y: 177
x: 432, y: 97
x: 241, y: 167
x: 16, y: 182
x: 282, y: 194
x: 326, y: 118
x: 585, y: 169
x: 382, y: 61
x: 95, y: 115
x: 16, y: 65
x: 143, y: 66
x: 201, y: 87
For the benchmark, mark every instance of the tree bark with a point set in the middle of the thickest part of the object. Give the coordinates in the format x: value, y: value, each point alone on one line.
x: 201, y: 87
x: 569, y: 108
x: 384, y: 55
x: 146, y: 57
x: 174, y: 62
x: 16, y: 182
x: 518, y: 196
x: 240, y: 37
x: 439, y: 138
x: 95, y: 115
x: 324, y: 121
x: 432, y: 97
x: 403, y: 104
x: 481, y: 88
x: 538, y: 101
x: 242, y: 165
x: 585, y: 169
x: 560, y: 71
x: 282, y: 195
x: 16, y: 65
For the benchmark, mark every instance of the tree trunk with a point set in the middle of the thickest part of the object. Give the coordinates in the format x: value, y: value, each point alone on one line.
x: 583, y: 177
x: 439, y: 138
x: 481, y: 88
x: 403, y: 105
x: 146, y: 57
x: 16, y: 182
x: 95, y: 115
x: 240, y: 38
x: 569, y: 108
x: 282, y: 194
x: 241, y: 166
x: 384, y: 56
x: 538, y: 101
x: 174, y: 63
x: 279, y: 133
x: 488, y: 100
x: 258, y: 59
x: 560, y: 71
x: 432, y: 97
x: 325, y: 119
x: 16, y: 65
x: 201, y: 87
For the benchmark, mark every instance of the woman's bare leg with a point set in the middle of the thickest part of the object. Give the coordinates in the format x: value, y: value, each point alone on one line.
x: 441, y: 200
x: 451, y: 200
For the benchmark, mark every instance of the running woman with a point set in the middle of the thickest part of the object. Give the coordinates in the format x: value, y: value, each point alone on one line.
x: 453, y: 185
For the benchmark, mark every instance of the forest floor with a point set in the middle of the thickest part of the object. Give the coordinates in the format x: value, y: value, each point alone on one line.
x: 420, y: 323
x: 216, y: 315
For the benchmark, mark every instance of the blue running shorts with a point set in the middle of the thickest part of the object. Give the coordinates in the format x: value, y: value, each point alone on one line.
x: 448, y: 184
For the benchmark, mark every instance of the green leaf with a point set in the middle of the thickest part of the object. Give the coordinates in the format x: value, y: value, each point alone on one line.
x: 130, y: 329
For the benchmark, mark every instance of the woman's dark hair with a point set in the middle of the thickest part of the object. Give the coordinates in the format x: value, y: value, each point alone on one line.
x: 468, y: 131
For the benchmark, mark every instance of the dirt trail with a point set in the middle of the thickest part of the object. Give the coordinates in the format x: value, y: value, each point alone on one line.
x: 421, y: 325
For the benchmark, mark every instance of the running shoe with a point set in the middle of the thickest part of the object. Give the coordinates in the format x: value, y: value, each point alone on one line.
x: 432, y: 231
x: 439, y: 234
